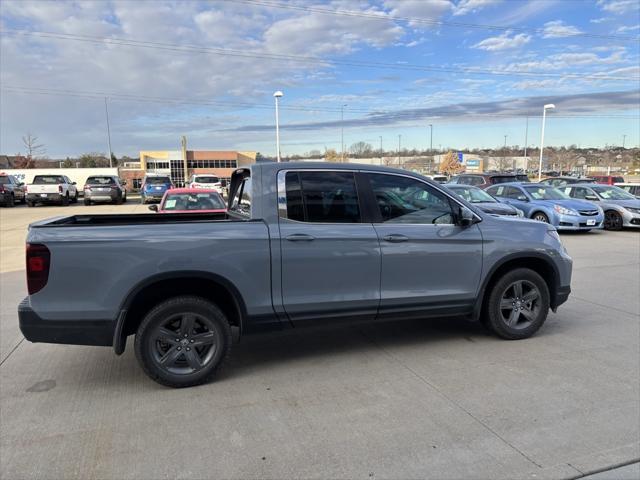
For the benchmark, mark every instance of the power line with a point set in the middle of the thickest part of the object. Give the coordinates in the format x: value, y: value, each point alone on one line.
x: 307, y: 59
x: 372, y: 114
x: 427, y: 21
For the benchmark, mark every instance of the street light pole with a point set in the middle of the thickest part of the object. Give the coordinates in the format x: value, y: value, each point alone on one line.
x: 544, y: 118
x: 380, y: 150
x: 342, y: 130
x: 526, y: 139
x: 624, y: 139
x: 277, y: 95
x: 106, y: 111
x: 399, y: 140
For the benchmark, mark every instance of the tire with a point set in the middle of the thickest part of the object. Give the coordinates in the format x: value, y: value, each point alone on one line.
x: 65, y: 200
x: 11, y: 201
x: 75, y: 198
x: 612, y: 220
x: 124, y: 199
x: 524, y: 317
x: 31, y: 204
x: 87, y: 202
x: 24, y: 199
x: 142, y: 201
x: 118, y: 201
x: 540, y: 217
x: 155, y: 343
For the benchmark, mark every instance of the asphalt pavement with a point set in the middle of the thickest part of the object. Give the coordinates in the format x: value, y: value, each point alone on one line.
x: 436, y: 399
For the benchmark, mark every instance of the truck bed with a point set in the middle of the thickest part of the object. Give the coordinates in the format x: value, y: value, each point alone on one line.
x: 134, y: 219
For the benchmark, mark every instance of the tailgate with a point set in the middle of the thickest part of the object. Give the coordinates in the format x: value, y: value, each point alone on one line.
x: 40, y: 188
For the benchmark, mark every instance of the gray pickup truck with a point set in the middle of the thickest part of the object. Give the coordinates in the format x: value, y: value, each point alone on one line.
x: 301, y: 243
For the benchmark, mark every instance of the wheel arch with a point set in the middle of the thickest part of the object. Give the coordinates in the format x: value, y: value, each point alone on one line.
x: 537, y: 262
x: 146, y: 294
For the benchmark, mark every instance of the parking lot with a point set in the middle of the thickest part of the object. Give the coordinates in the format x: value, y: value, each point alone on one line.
x: 434, y: 399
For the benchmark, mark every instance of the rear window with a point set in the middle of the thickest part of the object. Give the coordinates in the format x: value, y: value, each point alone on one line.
x: 522, y: 178
x: 48, y: 180
x: 503, y: 179
x: 157, y: 180
x: 193, y: 201
x: 618, y: 180
x: 101, y: 180
x: 207, y: 179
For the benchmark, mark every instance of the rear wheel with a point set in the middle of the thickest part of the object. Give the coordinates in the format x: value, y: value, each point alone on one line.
x: 540, y: 217
x: 11, y: 201
x: 87, y: 202
x: 183, y: 341
x: 612, y: 220
x: 517, y: 305
x: 75, y: 198
x: 65, y: 200
x: 31, y: 204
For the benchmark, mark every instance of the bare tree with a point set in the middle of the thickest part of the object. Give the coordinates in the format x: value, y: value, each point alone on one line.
x: 34, y: 149
x: 361, y: 149
x: 330, y: 155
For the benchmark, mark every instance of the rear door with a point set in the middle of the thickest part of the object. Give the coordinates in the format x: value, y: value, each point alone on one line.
x: 330, y: 258
x: 428, y: 262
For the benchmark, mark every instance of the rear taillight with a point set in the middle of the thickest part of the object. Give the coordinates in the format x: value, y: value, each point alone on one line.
x: 38, y: 262
x: 86, y: 187
x: 59, y: 188
x: 1, y: 188
x: 25, y: 189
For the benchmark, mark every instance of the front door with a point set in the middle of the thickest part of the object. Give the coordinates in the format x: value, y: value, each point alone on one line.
x: 428, y: 262
x: 330, y: 259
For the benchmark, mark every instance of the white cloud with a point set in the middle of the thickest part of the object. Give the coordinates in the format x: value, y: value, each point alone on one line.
x: 471, y: 6
x: 619, y: 6
x: 503, y: 42
x: 432, y: 9
x: 599, y: 20
x: 558, y: 28
x: 626, y: 29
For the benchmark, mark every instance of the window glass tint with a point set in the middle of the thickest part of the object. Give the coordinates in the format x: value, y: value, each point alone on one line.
x: 242, y: 199
x: 514, y: 193
x: 618, y: 180
x: 101, y: 180
x: 329, y: 197
x: 4, y: 180
x: 546, y: 193
x: 503, y: 179
x: 405, y: 200
x: 157, y: 180
x: 497, y: 191
x: 193, y: 201
x: 295, y: 208
x: 473, y: 194
x: 206, y: 179
x: 613, y: 193
x: 577, y: 192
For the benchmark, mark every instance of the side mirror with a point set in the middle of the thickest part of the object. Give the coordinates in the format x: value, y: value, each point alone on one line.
x: 522, y: 199
x: 73, y: 183
x: 153, y: 208
x: 592, y: 198
x: 466, y: 218
x: 223, y: 183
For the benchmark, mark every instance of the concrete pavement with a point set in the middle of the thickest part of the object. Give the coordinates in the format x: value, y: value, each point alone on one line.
x: 422, y: 399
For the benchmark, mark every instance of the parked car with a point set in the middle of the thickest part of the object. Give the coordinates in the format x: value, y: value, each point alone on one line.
x: 562, y: 181
x: 104, y: 188
x: 51, y: 189
x: 301, y: 243
x: 485, y: 202
x: 621, y: 209
x: 210, y: 182
x: 485, y: 180
x: 632, y: 188
x: 550, y: 205
x: 608, y: 179
x: 190, y: 200
x: 11, y: 190
x: 154, y: 188
x: 438, y: 178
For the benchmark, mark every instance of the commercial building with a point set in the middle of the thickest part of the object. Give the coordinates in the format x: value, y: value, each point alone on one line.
x: 181, y: 164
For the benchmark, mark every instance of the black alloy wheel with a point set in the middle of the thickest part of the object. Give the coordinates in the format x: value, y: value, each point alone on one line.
x: 612, y: 220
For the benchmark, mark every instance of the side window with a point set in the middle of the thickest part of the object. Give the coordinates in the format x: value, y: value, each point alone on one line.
x: 569, y: 191
x: 322, y: 197
x: 579, y: 192
x: 477, y: 181
x: 242, y: 199
x: 406, y: 200
x: 497, y: 191
x: 464, y: 180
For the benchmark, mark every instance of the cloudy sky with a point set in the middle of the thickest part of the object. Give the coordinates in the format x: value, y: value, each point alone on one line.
x: 474, y: 69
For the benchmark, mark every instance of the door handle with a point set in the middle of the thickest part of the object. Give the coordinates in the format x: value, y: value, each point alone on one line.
x: 300, y: 237
x: 395, y: 238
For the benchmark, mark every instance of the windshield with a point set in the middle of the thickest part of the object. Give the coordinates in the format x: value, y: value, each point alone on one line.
x: 193, y: 201
x: 47, y: 180
x: 613, y: 193
x: 210, y: 179
x: 503, y: 179
x: 101, y: 180
x: 474, y: 195
x: 546, y: 193
x: 157, y: 180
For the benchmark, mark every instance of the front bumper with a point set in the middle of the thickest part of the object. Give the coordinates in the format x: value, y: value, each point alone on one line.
x: 631, y: 220
x: 71, y: 332
x: 44, y: 197
x: 579, y: 222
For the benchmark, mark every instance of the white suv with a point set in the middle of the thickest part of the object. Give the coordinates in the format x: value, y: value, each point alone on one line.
x: 206, y: 181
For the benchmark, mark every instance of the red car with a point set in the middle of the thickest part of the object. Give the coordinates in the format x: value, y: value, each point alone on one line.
x: 608, y: 179
x: 190, y: 200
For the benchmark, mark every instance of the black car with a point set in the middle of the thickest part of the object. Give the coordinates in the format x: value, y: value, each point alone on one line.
x: 484, y: 201
x: 11, y: 190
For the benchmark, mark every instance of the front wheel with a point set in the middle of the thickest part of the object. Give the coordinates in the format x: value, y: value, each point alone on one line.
x: 517, y: 305
x: 183, y: 341
x: 612, y: 220
x: 540, y: 217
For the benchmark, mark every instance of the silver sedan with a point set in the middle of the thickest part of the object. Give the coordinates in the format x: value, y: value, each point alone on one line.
x: 621, y: 209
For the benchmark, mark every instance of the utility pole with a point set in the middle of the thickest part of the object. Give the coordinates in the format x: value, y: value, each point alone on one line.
x: 381, y: 152
x: 624, y: 139
x: 431, y: 148
x: 277, y: 95
x: 399, y: 140
x: 106, y: 111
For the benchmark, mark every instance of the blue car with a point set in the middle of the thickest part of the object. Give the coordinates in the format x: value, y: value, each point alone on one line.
x: 154, y: 187
x: 548, y: 204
